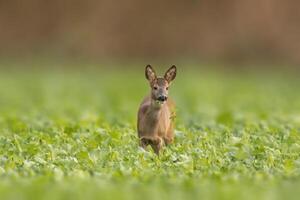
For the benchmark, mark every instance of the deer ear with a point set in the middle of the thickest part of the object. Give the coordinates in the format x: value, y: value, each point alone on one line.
x: 170, y: 74
x: 150, y: 73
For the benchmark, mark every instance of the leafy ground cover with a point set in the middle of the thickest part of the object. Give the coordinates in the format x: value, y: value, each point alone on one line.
x: 72, y: 135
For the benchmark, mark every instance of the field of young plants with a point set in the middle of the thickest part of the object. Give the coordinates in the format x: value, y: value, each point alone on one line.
x: 71, y: 134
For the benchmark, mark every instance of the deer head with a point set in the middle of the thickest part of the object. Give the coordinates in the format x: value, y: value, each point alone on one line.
x: 160, y: 85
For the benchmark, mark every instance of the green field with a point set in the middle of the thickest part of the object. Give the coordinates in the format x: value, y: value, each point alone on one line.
x: 70, y: 134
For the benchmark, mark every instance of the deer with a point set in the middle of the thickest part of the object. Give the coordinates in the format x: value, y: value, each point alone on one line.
x: 156, y: 113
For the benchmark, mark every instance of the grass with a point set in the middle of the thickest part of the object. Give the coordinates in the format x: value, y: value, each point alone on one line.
x: 72, y: 135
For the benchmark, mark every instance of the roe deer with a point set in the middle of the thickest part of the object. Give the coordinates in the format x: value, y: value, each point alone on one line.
x: 156, y: 112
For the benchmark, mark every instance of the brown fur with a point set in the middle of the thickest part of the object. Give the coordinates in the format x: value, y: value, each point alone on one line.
x: 155, y: 120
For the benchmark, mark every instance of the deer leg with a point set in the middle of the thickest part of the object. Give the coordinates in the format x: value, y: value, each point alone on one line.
x: 157, y: 144
x: 144, y: 142
x: 169, y: 138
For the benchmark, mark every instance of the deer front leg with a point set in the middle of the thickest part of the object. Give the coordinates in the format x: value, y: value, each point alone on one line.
x: 169, y: 137
x: 157, y: 144
x: 144, y: 142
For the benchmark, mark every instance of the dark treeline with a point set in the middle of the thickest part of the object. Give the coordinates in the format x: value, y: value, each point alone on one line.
x: 230, y: 30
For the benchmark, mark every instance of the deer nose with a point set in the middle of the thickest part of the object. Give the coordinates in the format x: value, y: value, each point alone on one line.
x: 162, y: 98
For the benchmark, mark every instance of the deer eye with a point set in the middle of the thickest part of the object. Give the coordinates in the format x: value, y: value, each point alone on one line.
x: 155, y: 88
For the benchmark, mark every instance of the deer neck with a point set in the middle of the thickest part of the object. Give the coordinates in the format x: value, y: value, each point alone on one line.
x: 155, y: 110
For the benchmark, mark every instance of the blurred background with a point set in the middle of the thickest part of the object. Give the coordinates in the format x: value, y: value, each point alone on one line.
x: 210, y: 31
